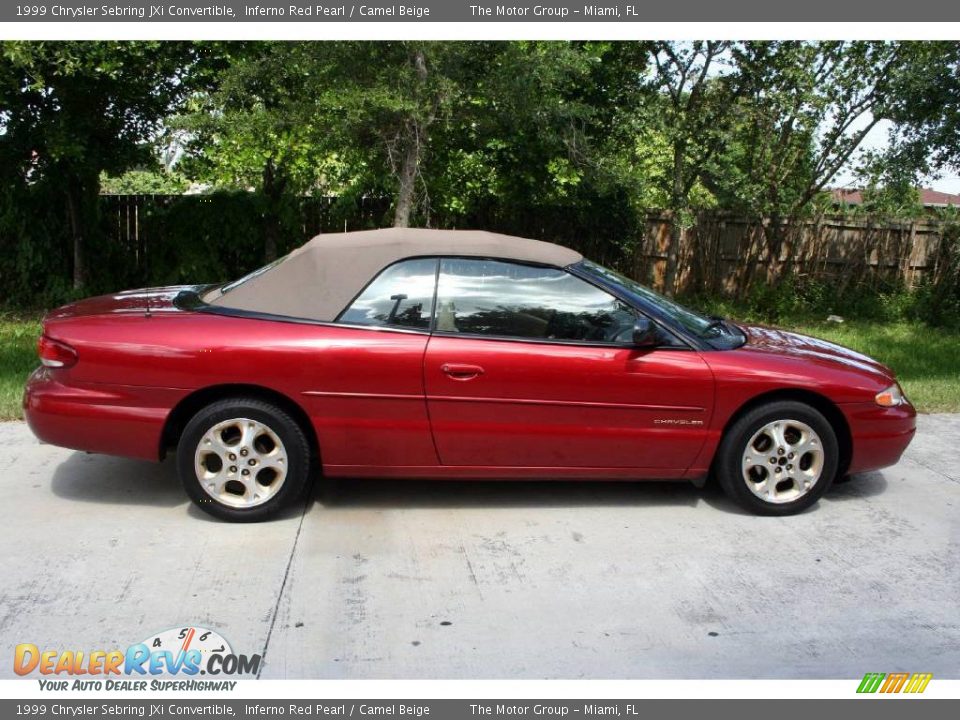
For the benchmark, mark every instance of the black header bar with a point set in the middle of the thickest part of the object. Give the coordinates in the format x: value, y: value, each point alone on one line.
x: 476, y: 11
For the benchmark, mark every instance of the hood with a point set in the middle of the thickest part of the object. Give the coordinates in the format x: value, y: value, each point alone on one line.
x: 782, y: 342
x: 159, y: 299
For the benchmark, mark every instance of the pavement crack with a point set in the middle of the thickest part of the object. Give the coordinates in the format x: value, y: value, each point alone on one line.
x: 473, y: 575
x: 932, y: 469
x: 283, y: 588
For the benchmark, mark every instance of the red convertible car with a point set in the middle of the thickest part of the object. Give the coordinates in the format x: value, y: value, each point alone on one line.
x: 454, y: 354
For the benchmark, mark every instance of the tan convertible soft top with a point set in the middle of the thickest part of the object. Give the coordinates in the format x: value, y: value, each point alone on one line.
x: 318, y: 280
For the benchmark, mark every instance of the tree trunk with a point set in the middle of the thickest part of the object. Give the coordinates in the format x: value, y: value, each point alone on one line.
x: 408, y: 181
x: 273, y: 187
x: 76, y: 236
x: 270, y: 241
x: 413, y: 133
x: 775, y: 240
x: 673, y: 257
x: 677, y: 203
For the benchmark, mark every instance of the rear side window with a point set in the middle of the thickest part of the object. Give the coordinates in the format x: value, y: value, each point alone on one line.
x: 504, y: 299
x: 400, y: 296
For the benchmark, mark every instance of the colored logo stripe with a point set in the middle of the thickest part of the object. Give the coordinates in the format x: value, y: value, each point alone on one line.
x: 894, y: 682
x: 918, y: 682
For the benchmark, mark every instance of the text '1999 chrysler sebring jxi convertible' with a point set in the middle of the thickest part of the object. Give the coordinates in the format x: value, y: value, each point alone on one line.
x: 454, y: 354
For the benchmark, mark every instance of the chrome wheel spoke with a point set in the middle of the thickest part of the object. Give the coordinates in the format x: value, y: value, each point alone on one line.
x: 776, y: 432
x: 214, y: 444
x: 755, y: 458
x: 769, y: 489
x: 249, y: 433
x: 213, y: 482
x: 274, y: 463
x: 796, y: 482
x: 805, y: 445
x: 253, y: 490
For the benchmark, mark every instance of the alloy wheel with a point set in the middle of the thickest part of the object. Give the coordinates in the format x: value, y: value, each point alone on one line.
x: 783, y: 461
x: 241, y: 462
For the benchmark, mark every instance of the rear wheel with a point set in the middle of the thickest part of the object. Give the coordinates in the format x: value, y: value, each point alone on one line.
x: 243, y: 459
x: 778, y: 459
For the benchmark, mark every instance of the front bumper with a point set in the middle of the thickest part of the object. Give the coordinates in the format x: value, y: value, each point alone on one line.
x: 114, y: 420
x: 880, y: 435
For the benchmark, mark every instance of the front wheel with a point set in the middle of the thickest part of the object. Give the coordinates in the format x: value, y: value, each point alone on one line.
x: 778, y: 459
x: 243, y: 459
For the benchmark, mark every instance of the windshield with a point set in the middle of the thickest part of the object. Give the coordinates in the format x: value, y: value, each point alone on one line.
x: 708, y: 328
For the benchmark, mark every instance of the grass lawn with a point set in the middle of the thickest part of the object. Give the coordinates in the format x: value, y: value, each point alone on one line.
x: 18, y: 358
x: 926, y: 360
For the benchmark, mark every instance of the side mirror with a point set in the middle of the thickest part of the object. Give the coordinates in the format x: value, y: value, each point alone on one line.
x: 645, y: 333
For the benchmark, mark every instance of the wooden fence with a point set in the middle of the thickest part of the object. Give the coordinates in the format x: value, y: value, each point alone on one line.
x: 127, y: 216
x: 726, y: 253
x: 721, y: 252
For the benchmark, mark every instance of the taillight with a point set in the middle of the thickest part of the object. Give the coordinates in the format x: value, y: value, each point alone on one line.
x: 55, y: 354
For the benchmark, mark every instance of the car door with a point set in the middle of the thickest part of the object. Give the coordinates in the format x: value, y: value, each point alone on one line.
x: 532, y: 367
x: 366, y: 395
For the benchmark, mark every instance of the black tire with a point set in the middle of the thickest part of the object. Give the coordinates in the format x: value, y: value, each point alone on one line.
x: 298, y: 463
x: 729, y: 464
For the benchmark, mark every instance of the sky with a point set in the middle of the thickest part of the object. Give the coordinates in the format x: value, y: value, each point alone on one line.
x: 877, y: 139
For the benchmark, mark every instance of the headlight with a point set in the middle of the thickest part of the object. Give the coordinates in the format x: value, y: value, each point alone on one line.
x: 891, y: 397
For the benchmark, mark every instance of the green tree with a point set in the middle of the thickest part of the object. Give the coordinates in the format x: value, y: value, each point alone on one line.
x: 924, y: 107
x: 689, y: 113
x: 252, y: 125
x: 522, y: 137
x: 349, y: 118
x: 74, y: 110
x: 803, y: 114
x: 447, y: 126
x: 382, y: 101
x: 143, y: 181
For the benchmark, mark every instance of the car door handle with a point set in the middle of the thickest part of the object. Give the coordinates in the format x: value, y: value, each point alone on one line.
x: 461, y: 372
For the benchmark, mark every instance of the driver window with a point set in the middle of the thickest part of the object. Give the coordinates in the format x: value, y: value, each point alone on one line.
x: 504, y: 299
x: 400, y: 296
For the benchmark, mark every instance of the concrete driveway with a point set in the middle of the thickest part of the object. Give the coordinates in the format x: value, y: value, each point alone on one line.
x: 393, y: 579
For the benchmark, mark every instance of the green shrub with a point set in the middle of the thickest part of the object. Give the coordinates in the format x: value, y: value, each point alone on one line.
x: 209, y: 238
x: 805, y: 299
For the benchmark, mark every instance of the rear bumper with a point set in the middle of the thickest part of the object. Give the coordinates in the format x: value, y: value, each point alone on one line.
x: 880, y: 435
x: 114, y: 420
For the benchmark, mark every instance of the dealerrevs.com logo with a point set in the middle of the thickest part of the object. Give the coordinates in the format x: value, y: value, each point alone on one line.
x: 170, y: 660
